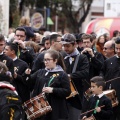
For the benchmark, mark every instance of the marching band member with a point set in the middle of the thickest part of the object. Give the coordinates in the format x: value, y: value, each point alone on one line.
x: 3, y: 58
x: 54, y: 82
x: 111, y: 70
x: 98, y: 101
x: 77, y: 75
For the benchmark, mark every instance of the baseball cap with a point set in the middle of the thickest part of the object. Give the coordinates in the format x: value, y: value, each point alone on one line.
x: 68, y: 38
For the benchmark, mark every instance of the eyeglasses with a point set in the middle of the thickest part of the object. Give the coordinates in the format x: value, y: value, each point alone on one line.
x: 58, y: 41
x: 20, y: 35
x: 47, y: 60
x: 105, y: 48
x: 66, y: 40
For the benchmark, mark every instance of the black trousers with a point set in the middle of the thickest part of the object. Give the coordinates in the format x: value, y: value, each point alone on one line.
x: 116, y: 113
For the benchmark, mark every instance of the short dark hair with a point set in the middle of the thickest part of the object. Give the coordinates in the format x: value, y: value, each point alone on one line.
x: 99, y: 81
x: 44, y: 39
x: 78, y: 37
x: 87, y: 36
x: 2, y: 38
x: 115, y: 32
x: 54, y: 37
x: 13, y: 46
x: 117, y: 41
x: 21, y: 29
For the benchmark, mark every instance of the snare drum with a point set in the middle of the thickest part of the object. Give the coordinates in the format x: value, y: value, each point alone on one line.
x: 73, y: 90
x: 36, y: 107
x: 111, y: 94
x: 90, y: 118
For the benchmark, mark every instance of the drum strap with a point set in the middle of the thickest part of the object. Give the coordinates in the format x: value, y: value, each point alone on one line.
x: 96, y: 106
x: 74, y: 67
x: 75, y: 64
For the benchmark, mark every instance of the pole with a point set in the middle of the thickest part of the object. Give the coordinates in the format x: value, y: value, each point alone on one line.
x: 56, y: 23
x: 45, y: 18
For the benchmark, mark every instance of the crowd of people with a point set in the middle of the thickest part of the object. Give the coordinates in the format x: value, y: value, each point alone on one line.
x: 50, y: 62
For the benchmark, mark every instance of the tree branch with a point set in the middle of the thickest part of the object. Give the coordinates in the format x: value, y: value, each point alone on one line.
x: 85, y: 14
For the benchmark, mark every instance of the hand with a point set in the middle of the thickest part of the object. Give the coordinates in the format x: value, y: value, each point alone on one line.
x: 98, y: 109
x: 47, y: 89
x: 89, y: 50
x: 84, y: 117
x: 20, y: 43
x: 28, y: 71
x: 69, y: 75
x: 15, y: 75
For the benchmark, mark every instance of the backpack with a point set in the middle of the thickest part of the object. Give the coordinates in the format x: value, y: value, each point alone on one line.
x: 10, y: 105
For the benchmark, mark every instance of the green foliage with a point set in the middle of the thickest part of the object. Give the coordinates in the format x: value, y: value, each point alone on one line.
x: 14, y: 13
x: 13, y: 5
x: 66, y: 13
x: 16, y: 18
x: 42, y: 3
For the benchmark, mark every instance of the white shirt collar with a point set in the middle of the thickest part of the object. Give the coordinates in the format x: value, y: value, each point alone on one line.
x: 100, y: 95
x: 15, y: 59
x: 117, y: 56
x: 1, y: 53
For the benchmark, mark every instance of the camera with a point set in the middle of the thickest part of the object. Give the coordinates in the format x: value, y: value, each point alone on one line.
x: 16, y: 43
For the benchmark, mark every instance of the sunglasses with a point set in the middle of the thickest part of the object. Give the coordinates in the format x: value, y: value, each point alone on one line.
x: 105, y: 48
x: 66, y: 40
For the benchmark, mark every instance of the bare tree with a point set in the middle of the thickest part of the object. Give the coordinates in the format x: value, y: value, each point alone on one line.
x: 64, y: 8
x: 73, y: 18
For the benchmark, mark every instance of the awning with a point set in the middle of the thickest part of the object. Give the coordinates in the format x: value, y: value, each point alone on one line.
x: 49, y: 21
x: 103, y: 25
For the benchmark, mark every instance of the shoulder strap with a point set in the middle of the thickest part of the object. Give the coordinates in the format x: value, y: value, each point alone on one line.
x: 75, y: 64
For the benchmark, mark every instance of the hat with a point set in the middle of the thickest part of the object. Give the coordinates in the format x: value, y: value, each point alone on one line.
x: 79, y: 37
x: 68, y: 38
x: 44, y: 39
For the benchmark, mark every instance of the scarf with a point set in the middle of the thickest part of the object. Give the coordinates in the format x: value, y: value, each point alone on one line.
x: 75, y: 52
x: 56, y: 69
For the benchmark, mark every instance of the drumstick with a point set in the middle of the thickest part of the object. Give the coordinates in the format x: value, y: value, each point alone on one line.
x: 112, y: 79
x: 92, y: 110
x: 49, y: 86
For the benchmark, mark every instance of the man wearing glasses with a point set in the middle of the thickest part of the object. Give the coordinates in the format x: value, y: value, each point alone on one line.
x: 111, y: 70
x: 55, y: 43
x: 25, y: 53
x: 109, y: 49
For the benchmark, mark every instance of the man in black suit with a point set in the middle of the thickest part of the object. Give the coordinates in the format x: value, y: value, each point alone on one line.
x: 27, y: 54
x: 3, y: 58
x: 111, y: 70
x: 55, y: 44
x: 77, y: 76
x: 19, y: 68
x: 19, y: 65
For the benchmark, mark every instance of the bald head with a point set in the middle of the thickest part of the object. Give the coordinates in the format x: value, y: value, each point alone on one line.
x: 109, y: 49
